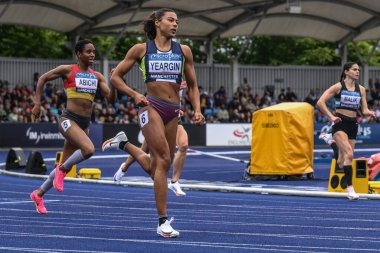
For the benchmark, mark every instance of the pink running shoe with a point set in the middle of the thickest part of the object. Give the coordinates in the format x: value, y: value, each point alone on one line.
x: 39, y: 202
x: 59, y: 178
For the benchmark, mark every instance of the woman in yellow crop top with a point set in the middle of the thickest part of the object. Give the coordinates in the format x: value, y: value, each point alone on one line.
x: 81, y: 83
x: 163, y: 63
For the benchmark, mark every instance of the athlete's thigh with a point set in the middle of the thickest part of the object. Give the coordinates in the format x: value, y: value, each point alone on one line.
x: 182, y: 137
x: 153, y: 129
x: 352, y: 144
x: 74, y: 134
x: 171, y: 134
x: 341, y: 140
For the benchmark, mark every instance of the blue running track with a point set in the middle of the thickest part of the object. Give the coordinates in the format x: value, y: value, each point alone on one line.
x: 112, y: 218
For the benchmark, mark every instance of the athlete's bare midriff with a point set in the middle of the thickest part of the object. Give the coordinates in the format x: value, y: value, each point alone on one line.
x: 80, y: 106
x: 165, y: 91
x: 347, y: 113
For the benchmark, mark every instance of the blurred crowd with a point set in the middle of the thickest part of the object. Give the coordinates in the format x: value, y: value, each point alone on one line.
x: 16, y: 104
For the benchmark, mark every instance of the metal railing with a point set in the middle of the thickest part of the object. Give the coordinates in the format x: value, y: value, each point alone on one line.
x: 300, y: 78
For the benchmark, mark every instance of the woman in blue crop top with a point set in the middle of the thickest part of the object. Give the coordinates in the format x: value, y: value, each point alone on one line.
x: 349, y: 97
x: 163, y: 62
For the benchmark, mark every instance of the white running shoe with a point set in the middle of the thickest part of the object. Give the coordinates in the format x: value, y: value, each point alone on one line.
x: 327, y: 138
x: 352, y: 195
x: 114, y: 142
x: 166, y: 230
x: 119, y: 174
x: 176, y: 188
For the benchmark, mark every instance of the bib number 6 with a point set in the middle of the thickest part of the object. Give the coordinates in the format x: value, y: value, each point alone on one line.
x: 143, y: 118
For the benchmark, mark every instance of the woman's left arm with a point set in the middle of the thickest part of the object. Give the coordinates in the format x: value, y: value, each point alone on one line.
x: 365, y: 110
x: 192, y: 84
x: 108, y: 92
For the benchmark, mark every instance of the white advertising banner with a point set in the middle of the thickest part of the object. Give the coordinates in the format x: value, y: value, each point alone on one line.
x: 228, y: 134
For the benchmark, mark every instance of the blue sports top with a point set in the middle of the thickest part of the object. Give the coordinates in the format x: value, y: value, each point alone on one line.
x: 163, y: 66
x: 348, y: 100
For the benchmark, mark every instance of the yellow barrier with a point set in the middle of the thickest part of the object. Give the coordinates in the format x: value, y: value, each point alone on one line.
x: 90, y: 173
x: 283, y: 140
x: 338, y: 182
x: 374, y: 187
x: 58, y: 160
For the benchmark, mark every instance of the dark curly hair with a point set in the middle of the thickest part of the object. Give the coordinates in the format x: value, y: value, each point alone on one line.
x: 149, y: 23
x: 81, y: 44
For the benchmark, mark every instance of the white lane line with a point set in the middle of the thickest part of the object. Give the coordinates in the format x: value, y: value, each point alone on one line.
x: 277, y: 223
x: 213, y: 154
x: 53, y: 250
x: 26, y: 201
x: 252, y: 246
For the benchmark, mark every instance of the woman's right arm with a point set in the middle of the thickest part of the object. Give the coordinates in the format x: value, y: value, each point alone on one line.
x: 132, y: 56
x: 327, y: 95
x: 60, y: 71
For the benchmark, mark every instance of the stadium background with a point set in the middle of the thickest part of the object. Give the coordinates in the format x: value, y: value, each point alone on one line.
x: 91, y: 218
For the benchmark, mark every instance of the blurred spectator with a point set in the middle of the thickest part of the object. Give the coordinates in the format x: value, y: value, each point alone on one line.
x: 223, y: 114
x: 377, y: 110
x: 232, y: 105
x: 281, y: 97
x: 250, y: 106
x: 320, y: 117
x: 205, y: 101
x: 290, y: 95
x: 22, y: 119
x: 245, y: 85
x: 220, y: 97
x: 13, y: 116
x: 265, y: 100
x: 311, y: 98
x: 3, y: 114
x: 110, y: 115
x: 16, y: 102
x: 124, y: 120
x: 212, y: 119
x: 36, y: 75
x: 48, y: 92
x: 377, y: 84
x: 131, y: 111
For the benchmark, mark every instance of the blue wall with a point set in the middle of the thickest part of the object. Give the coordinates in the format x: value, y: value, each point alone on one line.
x: 368, y: 134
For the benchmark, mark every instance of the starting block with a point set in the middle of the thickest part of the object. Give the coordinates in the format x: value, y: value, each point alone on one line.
x: 374, y: 187
x: 90, y: 173
x: 58, y: 160
x: 338, y: 182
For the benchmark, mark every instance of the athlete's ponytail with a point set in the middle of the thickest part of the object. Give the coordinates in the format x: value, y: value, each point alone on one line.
x: 149, y: 23
x: 346, y: 67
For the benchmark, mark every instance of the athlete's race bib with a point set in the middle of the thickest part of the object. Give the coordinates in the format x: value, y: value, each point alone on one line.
x: 165, y: 66
x: 350, y: 99
x: 86, y: 83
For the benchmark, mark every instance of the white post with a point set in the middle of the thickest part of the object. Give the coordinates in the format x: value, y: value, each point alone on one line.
x: 210, y: 52
x: 105, y: 66
x: 235, y: 75
x: 365, y: 72
x: 343, y: 54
